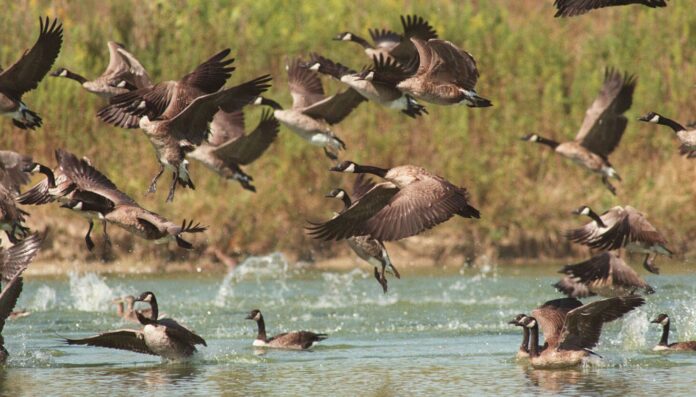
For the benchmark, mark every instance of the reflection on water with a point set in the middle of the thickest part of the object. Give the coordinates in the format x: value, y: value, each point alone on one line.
x: 438, y: 333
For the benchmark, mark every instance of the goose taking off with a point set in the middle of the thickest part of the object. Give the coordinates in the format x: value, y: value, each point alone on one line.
x: 687, y: 137
x: 389, y: 44
x: 605, y: 274
x: 376, y: 83
x: 123, y: 74
x: 367, y: 248
x: 298, y: 340
x: 25, y: 74
x: 446, y: 75
x: 571, y: 336
x: 410, y: 201
x: 602, y: 129
x: 163, y: 337
x: 228, y: 147
x: 312, y: 114
x: 621, y: 227
x: 571, y: 8
x: 664, y: 345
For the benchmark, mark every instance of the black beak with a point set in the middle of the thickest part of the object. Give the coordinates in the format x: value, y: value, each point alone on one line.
x: 513, y: 322
x: 643, y: 118
x: 335, y: 169
x: 575, y: 212
x: 654, y: 321
x: 56, y: 72
x: 249, y: 317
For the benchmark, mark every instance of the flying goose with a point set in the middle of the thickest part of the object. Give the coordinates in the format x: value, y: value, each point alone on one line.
x: 163, y: 337
x: 14, y: 170
x: 602, y: 129
x: 523, y: 351
x: 574, y: 334
x: 621, y: 227
x: 229, y: 147
x: 571, y: 8
x: 410, y: 201
x: 297, y: 340
x: 174, y: 137
x: 123, y: 74
x: 377, y: 90
x: 312, y: 114
x: 390, y: 44
x: 25, y: 75
x: 13, y: 262
x: 663, y: 345
x: 686, y: 136
x: 11, y: 217
x: 369, y: 249
x: 605, y: 274
x: 446, y: 75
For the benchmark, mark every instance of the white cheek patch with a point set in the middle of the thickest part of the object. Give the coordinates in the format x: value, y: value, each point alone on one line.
x: 257, y: 317
x: 655, y: 119
x: 63, y: 73
x: 315, y: 67
x: 665, y: 321
x: 121, y: 84
x: 258, y: 100
x: 585, y: 211
x: 350, y: 168
x: 340, y: 194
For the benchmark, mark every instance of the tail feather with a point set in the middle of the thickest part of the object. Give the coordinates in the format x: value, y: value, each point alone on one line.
x: 472, y: 100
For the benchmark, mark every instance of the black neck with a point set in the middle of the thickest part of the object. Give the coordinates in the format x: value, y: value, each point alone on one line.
x: 368, y: 169
x: 596, y: 218
x: 74, y: 76
x: 270, y: 102
x: 525, y: 340
x: 155, y: 309
x: 262, y: 329
x: 357, y: 39
x: 665, y: 335
x: 346, y: 200
x: 534, y: 342
x: 548, y: 142
x: 671, y: 124
x: 49, y: 175
x: 144, y: 320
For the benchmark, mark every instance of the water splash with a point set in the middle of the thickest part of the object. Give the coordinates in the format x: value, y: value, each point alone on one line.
x: 634, y: 327
x: 272, y: 267
x: 44, y: 298
x: 89, y: 292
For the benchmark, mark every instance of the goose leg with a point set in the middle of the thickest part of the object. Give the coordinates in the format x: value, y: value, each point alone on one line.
x: 88, y: 238
x: 608, y: 184
x: 172, y: 188
x: 330, y: 155
x: 153, y: 184
x: 107, y: 240
x: 381, y: 280
x: 649, y: 265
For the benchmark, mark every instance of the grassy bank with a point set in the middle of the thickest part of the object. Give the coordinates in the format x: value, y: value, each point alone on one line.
x: 540, y: 72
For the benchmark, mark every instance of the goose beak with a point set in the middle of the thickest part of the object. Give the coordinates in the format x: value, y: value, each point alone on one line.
x: 249, y: 317
x: 512, y: 322
x: 335, y: 169
x: 655, y: 321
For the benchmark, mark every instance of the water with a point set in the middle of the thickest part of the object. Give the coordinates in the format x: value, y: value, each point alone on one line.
x: 437, y: 332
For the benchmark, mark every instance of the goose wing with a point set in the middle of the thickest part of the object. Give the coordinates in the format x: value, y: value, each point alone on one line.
x: 336, y: 107
x: 414, y: 26
x: 614, y: 236
x: 571, y: 8
x: 302, y: 339
x: 122, y: 339
x: 16, y: 259
x: 641, y: 229
x: 604, y: 123
x: 389, y: 71
x: 192, y: 123
x: 418, y: 206
x: 25, y: 74
x: 226, y: 126
x: 136, y: 70
x: 351, y: 221
x: 178, y: 331
x: 551, y: 316
x: 583, y: 325
x: 447, y: 64
x: 123, y: 66
x: 248, y: 148
x: 12, y: 165
x: 305, y: 85
x: 8, y: 298
x: 385, y: 39
x: 605, y: 270
x: 362, y: 185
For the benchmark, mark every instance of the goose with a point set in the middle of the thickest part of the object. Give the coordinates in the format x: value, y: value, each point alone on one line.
x: 229, y: 147
x: 125, y: 309
x: 389, y: 44
x: 298, y: 340
x: 374, y: 89
x: 601, y: 130
x: 13, y: 262
x: 123, y: 74
x: 663, y: 345
x: 12, y: 218
x: 25, y: 75
x: 686, y: 136
x: 605, y: 274
x: 621, y: 227
x: 523, y: 351
x: 571, y: 8
x: 14, y: 170
x: 312, y: 114
x: 166, y: 99
x: 410, y: 201
x: 576, y: 333
x: 82, y: 188
x: 367, y: 248
x: 174, y: 137
x: 163, y: 337
x: 446, y: 75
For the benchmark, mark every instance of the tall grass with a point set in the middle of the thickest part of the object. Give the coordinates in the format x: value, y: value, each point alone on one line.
x: 541, y: 73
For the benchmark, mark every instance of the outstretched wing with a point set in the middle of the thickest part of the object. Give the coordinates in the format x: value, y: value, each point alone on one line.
x: 123, y: 339
x: 248, y: 148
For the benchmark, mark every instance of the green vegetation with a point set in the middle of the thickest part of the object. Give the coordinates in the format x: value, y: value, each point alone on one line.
x: 541, y: 74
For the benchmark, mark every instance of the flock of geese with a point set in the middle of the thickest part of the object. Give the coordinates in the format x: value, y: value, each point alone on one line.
x: 198, y: 117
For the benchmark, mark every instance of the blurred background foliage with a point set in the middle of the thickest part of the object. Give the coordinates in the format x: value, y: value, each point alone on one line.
x: 541, y: 73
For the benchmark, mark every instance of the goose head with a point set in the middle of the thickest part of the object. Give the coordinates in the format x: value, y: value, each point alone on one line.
x: 530, y: 138
x: 60, y: 72
x: 148, y: 297
x: 345, y: 36
x: 583, y: 210
x: 517, y: 320
x: 336, y: 193
x: 650, y: 117
x: 661, y: 319
x: 344, y: 166
x: 529, y: 322
x: 254, y: 315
